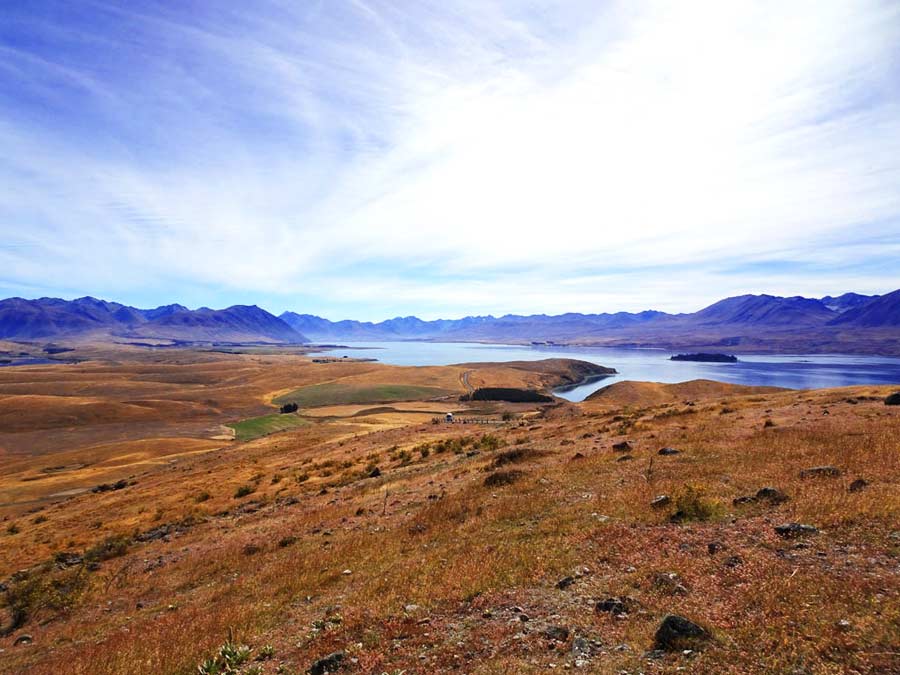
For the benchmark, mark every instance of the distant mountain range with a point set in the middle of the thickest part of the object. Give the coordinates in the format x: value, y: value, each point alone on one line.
x: 850, y: 323
x: 91, y: 318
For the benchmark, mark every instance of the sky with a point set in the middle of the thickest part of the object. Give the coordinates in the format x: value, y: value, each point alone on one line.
x: 368, y: 159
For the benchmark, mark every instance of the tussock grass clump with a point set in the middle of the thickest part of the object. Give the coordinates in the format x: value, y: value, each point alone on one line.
x: 500, y: 478
x: 114, y: 546
x: 691, y: 503
x: 243, y: 491
x: 513, y: 456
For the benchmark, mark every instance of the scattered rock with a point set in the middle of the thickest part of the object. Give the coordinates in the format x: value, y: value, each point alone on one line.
x: 669, y: 582
x: 411, y: 609
x: 792, y: 530
x: 771, y: 495
x: 565, y: 582
x: 109, y: 487
x: 557, y: 633
x: 858, y: 485
x: 347, y: 572
x: 625, y: 458
x: 577, y: 455
x: 766, y: 494
x: 660, y: 501
x: 65, y: 559
x: 616, y: 606
x: 820, y: 472
x: 23, y: 639
x: 327, y: 664
x: 623, y: 446
x: 375, y: 473
x: 843, y: 625
x: 734, y: 561
x: 714, y: 547
x: 668, y: 451
x: 893, y: 399
x: 675, y: 632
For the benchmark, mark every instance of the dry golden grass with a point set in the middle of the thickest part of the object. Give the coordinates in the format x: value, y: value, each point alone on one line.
x: 270, y: 565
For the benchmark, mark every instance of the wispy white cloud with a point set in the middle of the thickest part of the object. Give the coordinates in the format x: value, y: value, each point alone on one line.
x: 372, y: 158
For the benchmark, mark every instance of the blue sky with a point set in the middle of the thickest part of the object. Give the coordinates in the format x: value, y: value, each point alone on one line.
x: 370, y: 159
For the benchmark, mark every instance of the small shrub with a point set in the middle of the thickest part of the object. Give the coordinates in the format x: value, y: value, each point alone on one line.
x: 243, y: 491
x: 40, y: 519
x: 513, y: 456
x: 114, y: 546
x: 499, y: 478
x: 691, y: 503
x: 202, y: 497
x: 302, y: 477
x: 12, y: 528
x: 284, y: 542
x: 424, y: 451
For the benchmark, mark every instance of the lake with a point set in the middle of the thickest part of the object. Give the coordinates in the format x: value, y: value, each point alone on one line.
x: 794, y: 371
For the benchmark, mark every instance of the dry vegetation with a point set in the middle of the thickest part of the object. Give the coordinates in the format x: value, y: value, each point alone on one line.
x: 405, y: 545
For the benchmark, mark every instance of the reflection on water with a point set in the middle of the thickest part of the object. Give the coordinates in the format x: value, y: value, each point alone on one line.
x: 794, y: 371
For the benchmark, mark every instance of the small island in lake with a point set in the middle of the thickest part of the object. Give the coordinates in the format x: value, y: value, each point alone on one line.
x: 705, y: 358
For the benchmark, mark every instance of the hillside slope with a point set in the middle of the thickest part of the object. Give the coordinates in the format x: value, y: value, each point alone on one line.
x: 519, y: 546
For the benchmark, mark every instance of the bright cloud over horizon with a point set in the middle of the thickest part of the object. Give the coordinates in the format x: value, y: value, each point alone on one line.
x: 367, y: 159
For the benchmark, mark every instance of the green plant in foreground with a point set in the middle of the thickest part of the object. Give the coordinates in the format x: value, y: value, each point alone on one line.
x: 227, y: 661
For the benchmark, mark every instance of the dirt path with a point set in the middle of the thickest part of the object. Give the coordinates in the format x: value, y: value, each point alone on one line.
x: 464, y: 378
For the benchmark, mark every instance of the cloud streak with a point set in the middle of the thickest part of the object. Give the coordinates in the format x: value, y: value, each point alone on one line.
x: 373, y: 158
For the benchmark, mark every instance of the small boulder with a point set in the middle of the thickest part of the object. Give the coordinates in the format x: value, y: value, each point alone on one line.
x: 668, y: 451
x: 793, y: 530
x: 714, y: 547
x: 375, y: 473
x: 858, y: 485
x: 327, y: 664
x: 625, y: 458
x: 623, y: 446
x: 23, y: 639
x: 565, y: 582
x: 615, y: 606
x: 821, y: 472
x: 660, y: 501
x: 771, y: 495
x: 893, y: 399
x: 557, y: 633
x: 675, y: 632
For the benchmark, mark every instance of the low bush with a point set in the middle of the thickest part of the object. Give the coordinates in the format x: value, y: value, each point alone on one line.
x: 499, y: 478
x: 243, y: 491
